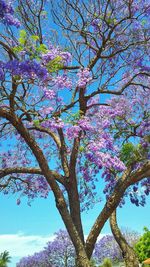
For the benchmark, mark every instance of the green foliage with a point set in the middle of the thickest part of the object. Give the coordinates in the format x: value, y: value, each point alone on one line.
x: 106, y: 263
x: 127, y: 153
x: 73, y: 118
x: 23, y: 37
x: 34, y: 37
x: 92, y: 263
x: 55, y: 64
x: 4, y: 259
x: 30, y: 44
x: 81, y: 148
x: 34, y: 49
x: 41, y: 48
x: 17, y: 49
x: 142, y: 247
x: 131, y: 153
x: 36, y: 122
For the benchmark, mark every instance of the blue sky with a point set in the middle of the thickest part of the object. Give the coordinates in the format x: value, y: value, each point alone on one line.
x: 25, y: 230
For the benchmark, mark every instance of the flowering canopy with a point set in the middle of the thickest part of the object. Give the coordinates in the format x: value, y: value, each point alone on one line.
x: 59, y: 252
x: 7, y: 14
x: 74, y: 118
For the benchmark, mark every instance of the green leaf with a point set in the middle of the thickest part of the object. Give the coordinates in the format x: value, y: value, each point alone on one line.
x: 17, y: 49
x: 143, y: 22
x: 22, y: 41
x: 42, y: 48
x: 55, y: 64
x: 23, y: 34
x: 23, y: 37
x: 142, y: 247
x: 36, y: 122
x: 127, y: 153
x: 81, y: 148
x: 35, y: 37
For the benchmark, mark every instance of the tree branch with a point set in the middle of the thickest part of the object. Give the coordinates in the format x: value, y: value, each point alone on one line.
x: 25, y: 170
x: 127, y: 179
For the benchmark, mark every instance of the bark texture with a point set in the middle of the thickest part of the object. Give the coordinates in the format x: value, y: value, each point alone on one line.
x: 82, y: 261
x: 128, y: 253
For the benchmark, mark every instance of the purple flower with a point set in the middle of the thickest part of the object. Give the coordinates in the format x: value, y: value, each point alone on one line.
x: 84, y: 77
x: 7, y: 14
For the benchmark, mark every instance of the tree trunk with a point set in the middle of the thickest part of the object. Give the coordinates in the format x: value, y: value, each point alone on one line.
x: 82, y: 261
x: 128, y: 253
x: 75, y: 210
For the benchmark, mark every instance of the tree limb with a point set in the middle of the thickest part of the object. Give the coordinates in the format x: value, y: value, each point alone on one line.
x: 127, y: 179
x: 32, y: 170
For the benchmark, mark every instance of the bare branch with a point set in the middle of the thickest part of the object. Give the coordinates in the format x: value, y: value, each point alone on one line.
x: 26, y: 170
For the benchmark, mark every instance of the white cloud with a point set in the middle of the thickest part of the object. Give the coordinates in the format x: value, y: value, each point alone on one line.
x: 20, y: 245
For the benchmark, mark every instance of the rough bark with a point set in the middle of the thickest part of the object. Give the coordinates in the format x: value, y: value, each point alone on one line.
x: 75, y: 209
x: 82, y: 260
x: 128, y: 253
x: 72, y: 189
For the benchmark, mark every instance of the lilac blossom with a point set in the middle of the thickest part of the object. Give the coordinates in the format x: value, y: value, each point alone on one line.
x: 84, y: 77
x: 59, y: 252
x: 7, y: 14
x: 107, y: 247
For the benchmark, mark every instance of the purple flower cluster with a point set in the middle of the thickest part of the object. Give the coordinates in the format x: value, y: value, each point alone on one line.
x: 62, y: 82
x: 29, y: 187
x: 107, y: 247
x: 58, y: 252
x: 84, y: 77
x: 7, y: 14
x: 103, y: 159
x: 96, y: 24
x: 55, y: 53
x: 27, y: 69
x: 73, y: 131
x: 49, y: 93
x: 55, y: 123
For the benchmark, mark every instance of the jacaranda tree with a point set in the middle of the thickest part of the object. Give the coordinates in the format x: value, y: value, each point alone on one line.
x: 107, y: 247
x: 59, y: 252
x: 77, y: 114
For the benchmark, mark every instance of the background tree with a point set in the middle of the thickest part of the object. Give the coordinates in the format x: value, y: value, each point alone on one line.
x: 76, y: 120
x: 142, y: 247
x: 107, y: 247
x: 59, y: 252
x: 4, y: 259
